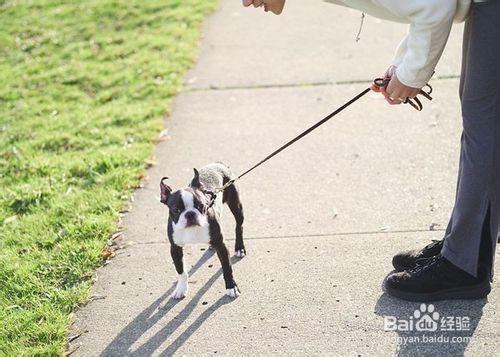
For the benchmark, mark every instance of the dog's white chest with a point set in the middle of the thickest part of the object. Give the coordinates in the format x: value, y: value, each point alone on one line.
x: 193, y: 235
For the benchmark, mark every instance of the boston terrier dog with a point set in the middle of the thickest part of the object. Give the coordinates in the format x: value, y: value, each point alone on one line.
x: 192, y: 221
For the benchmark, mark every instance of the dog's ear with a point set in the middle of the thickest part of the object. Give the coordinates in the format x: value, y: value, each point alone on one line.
x: 196, y: 180
x: 165, y: 191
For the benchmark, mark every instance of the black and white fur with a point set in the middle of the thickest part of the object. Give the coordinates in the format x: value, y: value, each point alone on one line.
x: 191, y: 221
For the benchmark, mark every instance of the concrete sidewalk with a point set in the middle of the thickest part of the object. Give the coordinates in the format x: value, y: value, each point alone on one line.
x: 323, y: 219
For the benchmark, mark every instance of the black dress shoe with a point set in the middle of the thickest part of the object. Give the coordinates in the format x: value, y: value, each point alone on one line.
x: 434, y: 279
x: 408, y: 259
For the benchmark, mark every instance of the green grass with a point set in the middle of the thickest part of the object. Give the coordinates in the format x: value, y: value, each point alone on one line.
x: 84, y: 86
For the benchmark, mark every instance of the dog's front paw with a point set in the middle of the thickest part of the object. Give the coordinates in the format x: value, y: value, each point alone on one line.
x: 240, y: 253
x: 179, y: 292
x: 233, y: 292
x: 181, y: 288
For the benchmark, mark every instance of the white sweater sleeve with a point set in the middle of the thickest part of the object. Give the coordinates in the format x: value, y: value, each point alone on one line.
x: 400, y: 53
x: 430, y: 25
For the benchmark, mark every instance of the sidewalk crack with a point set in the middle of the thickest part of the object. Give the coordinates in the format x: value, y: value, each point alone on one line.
x: 326, y: 235
x: 188, y: 89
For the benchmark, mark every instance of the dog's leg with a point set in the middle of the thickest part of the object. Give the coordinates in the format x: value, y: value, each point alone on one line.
x: 182, y: 278
x: 227, y: 270
x: 232, y: 198
x: 217, y: 241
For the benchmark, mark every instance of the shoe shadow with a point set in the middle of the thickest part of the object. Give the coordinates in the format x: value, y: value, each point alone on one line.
x: 149, y: 317
x: 452, y: 335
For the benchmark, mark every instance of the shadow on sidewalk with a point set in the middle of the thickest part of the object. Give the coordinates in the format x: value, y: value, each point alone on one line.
x: 149, y: 317
x: 441, y: 342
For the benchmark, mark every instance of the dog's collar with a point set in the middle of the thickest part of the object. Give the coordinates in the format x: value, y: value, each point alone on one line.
x: 212, y: 196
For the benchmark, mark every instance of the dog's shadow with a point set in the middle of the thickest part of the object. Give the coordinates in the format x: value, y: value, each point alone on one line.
x: 453, y: 342
x: 149, y: 317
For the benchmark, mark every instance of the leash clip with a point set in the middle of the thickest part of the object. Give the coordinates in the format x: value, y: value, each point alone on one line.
x: 213, y: 197
x: 213, y: 194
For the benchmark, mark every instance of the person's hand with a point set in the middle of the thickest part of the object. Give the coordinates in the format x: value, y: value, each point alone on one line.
x: 275, y: 6
x: 395, y: 92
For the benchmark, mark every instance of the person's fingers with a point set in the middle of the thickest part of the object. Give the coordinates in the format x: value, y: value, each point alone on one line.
x: 414, y: 93
x: 408, y: 92
x: 375, y: 88
x: 401, y: 95
x: 395, y: 92
x: 395, y: 95
x: 247, y: 3
x: 382, y: 91
x: 394, y: 101
x: 392, y: 89
x: 390, y: 72
x: 398, y: 91
x: 258, y: 3
x: 390, y: 100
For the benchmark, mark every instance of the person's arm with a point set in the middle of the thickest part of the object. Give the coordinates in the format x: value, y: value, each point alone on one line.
x: 418, y: 54
x: 430, y: 27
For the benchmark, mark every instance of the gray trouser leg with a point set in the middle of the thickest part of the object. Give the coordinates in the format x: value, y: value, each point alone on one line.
x: 478, y: 190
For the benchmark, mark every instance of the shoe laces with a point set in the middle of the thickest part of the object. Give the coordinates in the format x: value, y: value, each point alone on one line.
x: 425, y: 264
x: 432, y: 245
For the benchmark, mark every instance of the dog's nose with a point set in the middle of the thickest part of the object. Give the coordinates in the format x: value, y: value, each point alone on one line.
x: 190, y: 215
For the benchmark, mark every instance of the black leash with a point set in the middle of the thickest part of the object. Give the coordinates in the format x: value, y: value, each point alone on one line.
x: 379, y: 82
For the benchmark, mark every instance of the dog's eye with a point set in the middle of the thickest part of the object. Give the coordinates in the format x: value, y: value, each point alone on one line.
x: 175, y: 210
